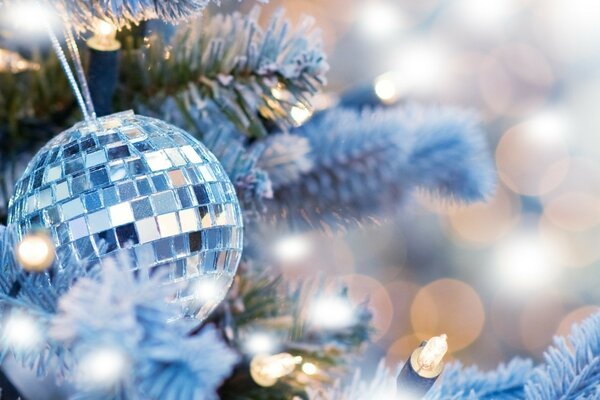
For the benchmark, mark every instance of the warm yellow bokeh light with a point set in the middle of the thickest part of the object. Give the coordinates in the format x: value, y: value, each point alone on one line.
x: 484, y: 223
x: 448, y: 306
x: 575, y: 317
x: 361, y: 288
x: 530, y: 160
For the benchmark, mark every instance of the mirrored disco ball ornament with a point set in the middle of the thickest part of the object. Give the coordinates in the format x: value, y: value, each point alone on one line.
x: 136, y: 184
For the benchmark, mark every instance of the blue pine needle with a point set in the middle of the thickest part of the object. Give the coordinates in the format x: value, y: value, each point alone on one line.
x: 572, y: 366
x: 126, y: 310
x: 367, y: 161
x: 504, y: 383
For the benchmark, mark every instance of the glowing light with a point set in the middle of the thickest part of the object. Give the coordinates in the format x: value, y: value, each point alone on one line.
x: 104, y: 38
x: 21, y: 332
x: 526, y: 263
x: 267, y: 370
x: 484, y: 223
x: 260, y: 343
x: 451, y: 306
x: 490, y: 15
x: 379, y: 19
x: 103, y: 367
x: 386, y: 88
x: 292, y: 248
x: 35, y: 252
x: 423, y: 66
x: 309, y: 368
x: 434, y: 351
x: 548, y: 126
x: 30, y: 15
x: 331, y: 313
x: 12, y: 62
x: 533, y: 157
x: 300, y: 114
x: 208, y: 291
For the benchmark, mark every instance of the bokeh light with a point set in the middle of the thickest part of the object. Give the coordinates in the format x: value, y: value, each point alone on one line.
x: 448, y: 306
x: 379, y: 19
x: 103, y: 367
x: 526, y: 262
x: 575, y: 317
x: 21, y: 332
x: 539, y: 320
x: 532, y: 157
x: 363, y: 288
x: 485, y: 223
x: 331, y: 312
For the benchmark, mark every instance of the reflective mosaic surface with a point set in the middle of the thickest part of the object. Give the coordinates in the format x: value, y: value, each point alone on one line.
x: 140, y: 185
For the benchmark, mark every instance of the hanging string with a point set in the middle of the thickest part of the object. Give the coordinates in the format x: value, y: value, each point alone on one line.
x: 74, y: 53
x: 65, y: 64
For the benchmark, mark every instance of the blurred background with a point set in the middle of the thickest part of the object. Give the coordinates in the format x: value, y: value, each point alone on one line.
x: 499, y: 278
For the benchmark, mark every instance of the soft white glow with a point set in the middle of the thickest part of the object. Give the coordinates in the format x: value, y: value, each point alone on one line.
x: 309, y: 368
x: 104, y: 28
x: 21, y: 332
x: 548, y: 126
x: 422, y: 66
x: 31, y: 16
x: 35, y: 252
x: 379, y: 19
x: 103, y: 367
x: 387, y: 88
x: 331, y: 313
x: 488, y: 15
x: 300, y: 114
x: 208, y: 291
x: 526, y: 263
x: 266, y: 370
x: 292, y: 248
x: 260, y: 343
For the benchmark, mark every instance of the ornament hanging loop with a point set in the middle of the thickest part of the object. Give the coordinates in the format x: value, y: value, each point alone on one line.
x: 86, y: 106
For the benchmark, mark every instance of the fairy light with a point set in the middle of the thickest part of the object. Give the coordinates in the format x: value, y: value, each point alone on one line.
x: 423, y: 65
x: 300, y: 114
x: 103, y: 367
x: 30, y: 16
x: 35, y: 252
x: 105, y: 37
x: 386, y: 88
x: 424, y: 367
x: 432, y: 354
x: 292, y: 248
x: 379, y: 19
x: 309, y: 368
x: 208, y: 291
x: 260, y: 343
x: 526, y: 262
x: 21, y: 331
x: 12, y: 62
x: 331, y: 313
x: 267, y: 370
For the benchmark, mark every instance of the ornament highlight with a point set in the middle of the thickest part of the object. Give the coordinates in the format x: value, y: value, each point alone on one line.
x: 138, y: 185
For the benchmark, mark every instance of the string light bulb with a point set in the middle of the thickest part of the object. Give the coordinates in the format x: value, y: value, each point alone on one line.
x: 431, y: 356
x: 35, y: 253
x: 300, y: 114
x: 12, y: 62
x: 105, y: 37
x: 309, y: 368
x: 267, y: 370
x: 424, y: 367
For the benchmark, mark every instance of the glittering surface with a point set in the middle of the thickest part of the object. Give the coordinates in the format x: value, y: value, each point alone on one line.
x: 140, y: 185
